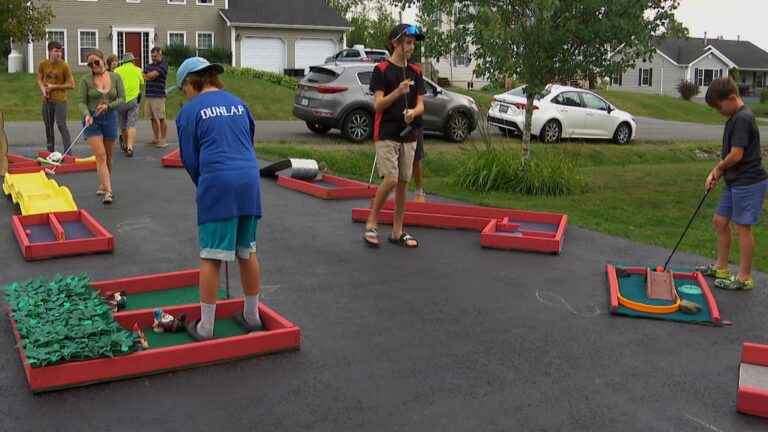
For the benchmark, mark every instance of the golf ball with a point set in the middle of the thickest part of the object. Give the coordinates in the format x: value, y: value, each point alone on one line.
x: 659, y: 269
x: 28, y: 232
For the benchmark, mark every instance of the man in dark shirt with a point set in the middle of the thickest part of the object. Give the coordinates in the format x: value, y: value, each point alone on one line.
x: 746, y: 182
x: 397, y: 88
x: 154, y: 76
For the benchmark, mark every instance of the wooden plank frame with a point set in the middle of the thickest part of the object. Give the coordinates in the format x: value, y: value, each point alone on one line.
x: 346, y: 188
x: 22, y: 165
x: 172, y: 159
x: 750, y: 400
x: 102, y: 240
x: 613, y: 287
x: 281, y: 335
x: 491, y: 222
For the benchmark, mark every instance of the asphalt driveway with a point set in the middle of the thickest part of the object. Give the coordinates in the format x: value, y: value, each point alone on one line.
x: 447, y: 337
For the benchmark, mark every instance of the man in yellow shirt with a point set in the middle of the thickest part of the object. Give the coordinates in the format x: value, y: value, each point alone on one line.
x: 54, y: 77
x: 128, y: 113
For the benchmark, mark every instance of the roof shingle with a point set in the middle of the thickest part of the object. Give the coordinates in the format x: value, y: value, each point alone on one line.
x: 313, y: 13
x: 744, y: 54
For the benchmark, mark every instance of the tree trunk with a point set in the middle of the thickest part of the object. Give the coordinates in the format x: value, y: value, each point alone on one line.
x: 592, y: 78
x: 527, y: 129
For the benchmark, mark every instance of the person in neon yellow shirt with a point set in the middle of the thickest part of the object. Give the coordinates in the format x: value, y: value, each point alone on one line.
x: 128, y: 114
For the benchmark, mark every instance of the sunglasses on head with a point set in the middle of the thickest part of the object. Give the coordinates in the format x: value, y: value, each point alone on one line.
x: 409, y: 31
x: 94, y: 63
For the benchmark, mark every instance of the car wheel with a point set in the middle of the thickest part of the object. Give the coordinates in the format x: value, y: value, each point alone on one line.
x: 457, y: 127
x: 316, y: 128
x: 550, y: 132
x: 622, y: 134
x: 357, y: 126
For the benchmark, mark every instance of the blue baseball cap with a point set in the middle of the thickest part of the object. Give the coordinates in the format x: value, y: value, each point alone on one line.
x: 190, y: 65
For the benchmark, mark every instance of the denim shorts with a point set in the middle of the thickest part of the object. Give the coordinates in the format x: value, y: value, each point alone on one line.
x: 104, y: 124
x: 742, y: 204
x: 220, y: 240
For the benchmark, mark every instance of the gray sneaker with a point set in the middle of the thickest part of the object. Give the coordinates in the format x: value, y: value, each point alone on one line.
x: 107, y: 198
x: 100, y: 190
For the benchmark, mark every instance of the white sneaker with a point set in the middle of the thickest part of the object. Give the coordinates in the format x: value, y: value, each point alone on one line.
x: 107, y: 198
x: 100, y: 190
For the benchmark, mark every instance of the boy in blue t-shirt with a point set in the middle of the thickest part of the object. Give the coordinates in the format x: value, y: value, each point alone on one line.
x: 745, y: 187
x: 215, y: 131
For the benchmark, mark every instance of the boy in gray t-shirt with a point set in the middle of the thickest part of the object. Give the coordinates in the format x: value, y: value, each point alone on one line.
x: 746, y: 182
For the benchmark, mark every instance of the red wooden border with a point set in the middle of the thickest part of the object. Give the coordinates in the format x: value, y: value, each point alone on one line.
x: 751, y: 400
x: 281, y: 335
x: 613, y: 283
x: 102, y: 240
x: 58, y: 230
x: 172, y: 159
x: 486, y: 220
x: 152, y: 282
x: 347, y: 188
x: 24, y: 167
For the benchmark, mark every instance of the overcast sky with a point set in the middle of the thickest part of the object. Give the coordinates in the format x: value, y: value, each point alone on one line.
x: 745, y: 18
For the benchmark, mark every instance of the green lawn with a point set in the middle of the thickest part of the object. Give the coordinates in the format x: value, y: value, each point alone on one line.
x: 21, y: 97
x: 642, y: 192
x: 663, y: 107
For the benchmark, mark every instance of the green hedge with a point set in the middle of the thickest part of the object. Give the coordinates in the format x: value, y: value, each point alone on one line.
x: 64, y: 320
x: 275, y: 78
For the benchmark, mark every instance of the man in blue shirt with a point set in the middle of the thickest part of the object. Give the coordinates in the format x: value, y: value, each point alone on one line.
x: 154, y: 76
x: 216, y: 142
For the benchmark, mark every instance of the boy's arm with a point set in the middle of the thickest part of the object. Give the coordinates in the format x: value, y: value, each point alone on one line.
x: 381, y: 102
x: 187, y: 150
x: 733, y: 157
x: 41, y: 82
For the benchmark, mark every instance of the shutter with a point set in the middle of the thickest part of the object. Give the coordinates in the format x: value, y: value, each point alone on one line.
x: 620, y: 75
x: 721, y: 74
x: 696, y: 76
x: 650, y: 77
x: 640, y: 77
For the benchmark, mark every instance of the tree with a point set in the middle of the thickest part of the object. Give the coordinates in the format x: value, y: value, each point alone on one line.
x: 344, y: 7
x: 23, y: 20
x: 372, y: 23
x: 546, y: 41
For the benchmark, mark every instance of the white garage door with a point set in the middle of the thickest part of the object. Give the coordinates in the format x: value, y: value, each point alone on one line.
x: 311, y: 52
x: 263, y: 53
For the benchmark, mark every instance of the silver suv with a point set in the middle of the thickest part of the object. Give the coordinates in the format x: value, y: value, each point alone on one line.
x: 337, y: 96
x: 357, y: 54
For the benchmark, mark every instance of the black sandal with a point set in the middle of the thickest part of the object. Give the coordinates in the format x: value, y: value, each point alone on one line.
x: 403, y: 240
x: 371, y: 237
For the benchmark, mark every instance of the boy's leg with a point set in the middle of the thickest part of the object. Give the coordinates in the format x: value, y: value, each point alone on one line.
x: 209, y: 288
x: 250, y: 271
x: 50, y: 138
x: 724, y: 240
x: 746, y: 251
x: 405, y: 166
x: 417, y: 173
x: 401, y: 197
x: 60, y: 114
x: 386, y: 160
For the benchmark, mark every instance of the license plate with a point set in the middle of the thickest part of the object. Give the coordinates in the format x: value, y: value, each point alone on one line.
x: 503, y: 108
x: 304, y: 101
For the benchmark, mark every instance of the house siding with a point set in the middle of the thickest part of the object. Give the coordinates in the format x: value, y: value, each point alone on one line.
x: 665, y: 76
x: 289, y: 37
x: 154, y: 16
x: 709, y: 61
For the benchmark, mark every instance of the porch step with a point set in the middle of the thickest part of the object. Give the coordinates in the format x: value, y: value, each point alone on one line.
x: 443, y: 82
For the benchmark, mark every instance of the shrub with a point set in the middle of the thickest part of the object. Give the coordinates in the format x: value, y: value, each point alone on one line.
x: 764, y: 95
x: 219, y: 55
x: 175, y: 54
x: 547, y: 173
x: 687, y: 89
x: 275, y: 78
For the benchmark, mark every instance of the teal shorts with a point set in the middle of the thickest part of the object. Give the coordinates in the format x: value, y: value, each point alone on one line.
x: 220, y: 240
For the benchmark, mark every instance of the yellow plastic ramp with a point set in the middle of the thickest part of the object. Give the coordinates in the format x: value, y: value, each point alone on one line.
x: 35, y: 193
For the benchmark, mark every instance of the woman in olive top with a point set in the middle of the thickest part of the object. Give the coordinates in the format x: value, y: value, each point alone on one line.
x: 99, y: 96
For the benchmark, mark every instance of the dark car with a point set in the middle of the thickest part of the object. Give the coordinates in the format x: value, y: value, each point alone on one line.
x: 337, y: 96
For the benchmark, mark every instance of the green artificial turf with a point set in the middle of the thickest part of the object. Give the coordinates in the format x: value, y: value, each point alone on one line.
x: 168, y: 297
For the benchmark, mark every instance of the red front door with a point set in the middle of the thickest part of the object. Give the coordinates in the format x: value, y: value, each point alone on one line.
x: 133, y: 45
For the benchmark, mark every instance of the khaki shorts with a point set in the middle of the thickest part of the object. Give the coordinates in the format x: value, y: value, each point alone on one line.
x: 155, y: 108
x: 395, y: 159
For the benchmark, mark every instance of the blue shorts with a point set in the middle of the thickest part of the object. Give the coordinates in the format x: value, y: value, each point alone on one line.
x: 220, y: 240
x: 104, y: 124
x: 742, y: 204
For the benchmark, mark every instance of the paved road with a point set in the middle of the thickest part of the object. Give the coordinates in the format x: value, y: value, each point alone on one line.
x: 30, y: 133
x: 447, y: 337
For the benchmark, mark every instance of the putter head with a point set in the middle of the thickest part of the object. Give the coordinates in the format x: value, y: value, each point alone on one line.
x: 50, y: 171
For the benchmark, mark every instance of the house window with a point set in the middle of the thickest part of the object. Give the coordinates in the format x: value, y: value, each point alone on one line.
x: 461, y: 56
x: 204, y: 43
x: 645, y: 77
x: 759, y: 79
x: 177, y: 1
x: 86, y: 41
x: 205, y: 2
x: 436, y: 19
x: 133, y: 1
x: 616, y: 79
x: 705, y: 76
x: 59, y: 36
x: 177, y: 38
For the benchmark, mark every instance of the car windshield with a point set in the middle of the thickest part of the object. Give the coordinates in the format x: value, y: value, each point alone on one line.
x: 520, y: 92
x: 318, y: 75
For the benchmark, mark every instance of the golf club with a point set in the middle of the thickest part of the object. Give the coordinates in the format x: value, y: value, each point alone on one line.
x: 53, y: 171
x: 408, y: 128
x: 375, y: 155
x: 686, y: 227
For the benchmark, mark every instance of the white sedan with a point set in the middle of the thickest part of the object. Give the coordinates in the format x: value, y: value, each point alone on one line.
x: 562, y: 112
